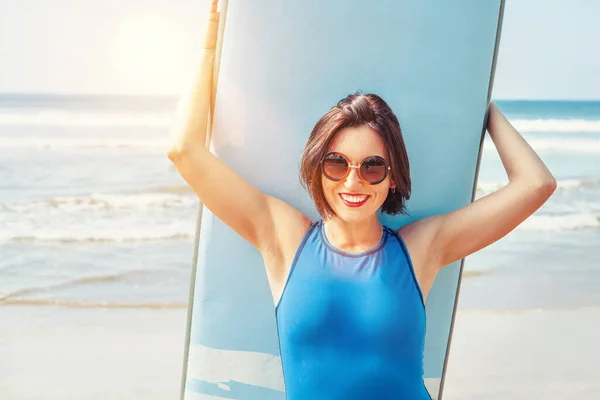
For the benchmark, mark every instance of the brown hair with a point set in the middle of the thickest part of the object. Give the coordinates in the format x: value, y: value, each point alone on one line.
x: 353, y: 111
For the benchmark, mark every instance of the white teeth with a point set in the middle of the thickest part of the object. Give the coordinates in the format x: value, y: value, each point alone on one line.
x: 353, y: 199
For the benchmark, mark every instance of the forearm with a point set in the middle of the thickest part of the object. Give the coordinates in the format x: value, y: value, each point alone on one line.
x: 190, y: 126
x: 520, y: 161
x: 191, y: 117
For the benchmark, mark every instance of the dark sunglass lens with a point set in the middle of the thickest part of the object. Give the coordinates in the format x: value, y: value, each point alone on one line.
x: 373, y: 170
x: 335, y: 166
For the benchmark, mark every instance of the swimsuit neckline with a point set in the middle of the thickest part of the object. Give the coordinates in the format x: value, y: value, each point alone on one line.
x: 344, y: 253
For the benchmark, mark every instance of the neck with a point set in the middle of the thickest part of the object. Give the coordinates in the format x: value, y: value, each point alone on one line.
x: 355, y: 236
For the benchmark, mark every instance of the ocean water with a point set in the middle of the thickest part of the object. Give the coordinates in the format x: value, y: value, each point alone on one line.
x: 92, y: 214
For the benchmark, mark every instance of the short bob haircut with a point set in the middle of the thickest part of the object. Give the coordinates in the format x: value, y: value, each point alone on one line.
x: 357, y: 110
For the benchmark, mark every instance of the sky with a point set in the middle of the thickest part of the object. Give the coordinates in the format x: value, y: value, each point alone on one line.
x: 548, y: 48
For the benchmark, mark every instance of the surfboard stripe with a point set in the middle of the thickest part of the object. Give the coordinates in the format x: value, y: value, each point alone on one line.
x: 252, y: 368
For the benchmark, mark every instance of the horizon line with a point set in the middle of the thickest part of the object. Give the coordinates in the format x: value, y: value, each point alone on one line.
x: 126, y: 94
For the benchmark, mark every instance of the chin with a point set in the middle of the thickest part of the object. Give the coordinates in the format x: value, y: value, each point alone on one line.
x: 349, y: 215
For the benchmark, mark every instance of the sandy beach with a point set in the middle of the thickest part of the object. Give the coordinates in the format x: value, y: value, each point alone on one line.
x: 90, y: 353
x: 109, y: 354
x: 524, y: 355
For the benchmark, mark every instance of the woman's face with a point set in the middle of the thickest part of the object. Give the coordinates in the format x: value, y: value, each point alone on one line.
x: 351, y: 198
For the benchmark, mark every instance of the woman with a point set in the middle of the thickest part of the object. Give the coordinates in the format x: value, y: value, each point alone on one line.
x: 349, y: 292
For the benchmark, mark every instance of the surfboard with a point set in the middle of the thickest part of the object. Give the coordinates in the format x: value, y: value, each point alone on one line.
x: 282, y: 65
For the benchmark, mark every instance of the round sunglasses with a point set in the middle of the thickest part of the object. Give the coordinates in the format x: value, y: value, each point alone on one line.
x: 373, y: 169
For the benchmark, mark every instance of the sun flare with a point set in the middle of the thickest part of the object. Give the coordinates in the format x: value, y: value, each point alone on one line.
x: 149, y: 54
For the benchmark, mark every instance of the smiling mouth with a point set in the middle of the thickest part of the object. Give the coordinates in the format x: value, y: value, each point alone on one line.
x: 354, y: 200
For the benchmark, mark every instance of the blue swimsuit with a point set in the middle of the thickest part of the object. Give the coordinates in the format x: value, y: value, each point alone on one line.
x: 352, y: 325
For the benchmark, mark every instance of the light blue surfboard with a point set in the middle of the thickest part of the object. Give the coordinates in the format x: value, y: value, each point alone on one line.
x: 282, y: 66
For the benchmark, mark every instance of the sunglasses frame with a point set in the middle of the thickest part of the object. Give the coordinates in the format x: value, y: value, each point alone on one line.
x: 349, y: 166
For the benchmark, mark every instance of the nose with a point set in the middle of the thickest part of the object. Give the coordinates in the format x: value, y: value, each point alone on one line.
x: 352, y: 181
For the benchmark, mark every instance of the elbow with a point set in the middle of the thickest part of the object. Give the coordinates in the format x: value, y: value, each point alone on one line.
x: 540, y: 183
x: 548, y: 186
x: 544, y: 188
x: 186, y: 157
x: 174, y: 154
x: 539, y: 188
x: 178, y: 152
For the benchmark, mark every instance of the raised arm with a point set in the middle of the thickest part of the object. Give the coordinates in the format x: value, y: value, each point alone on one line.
x: 259, y: 218
x: 453, y: 236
